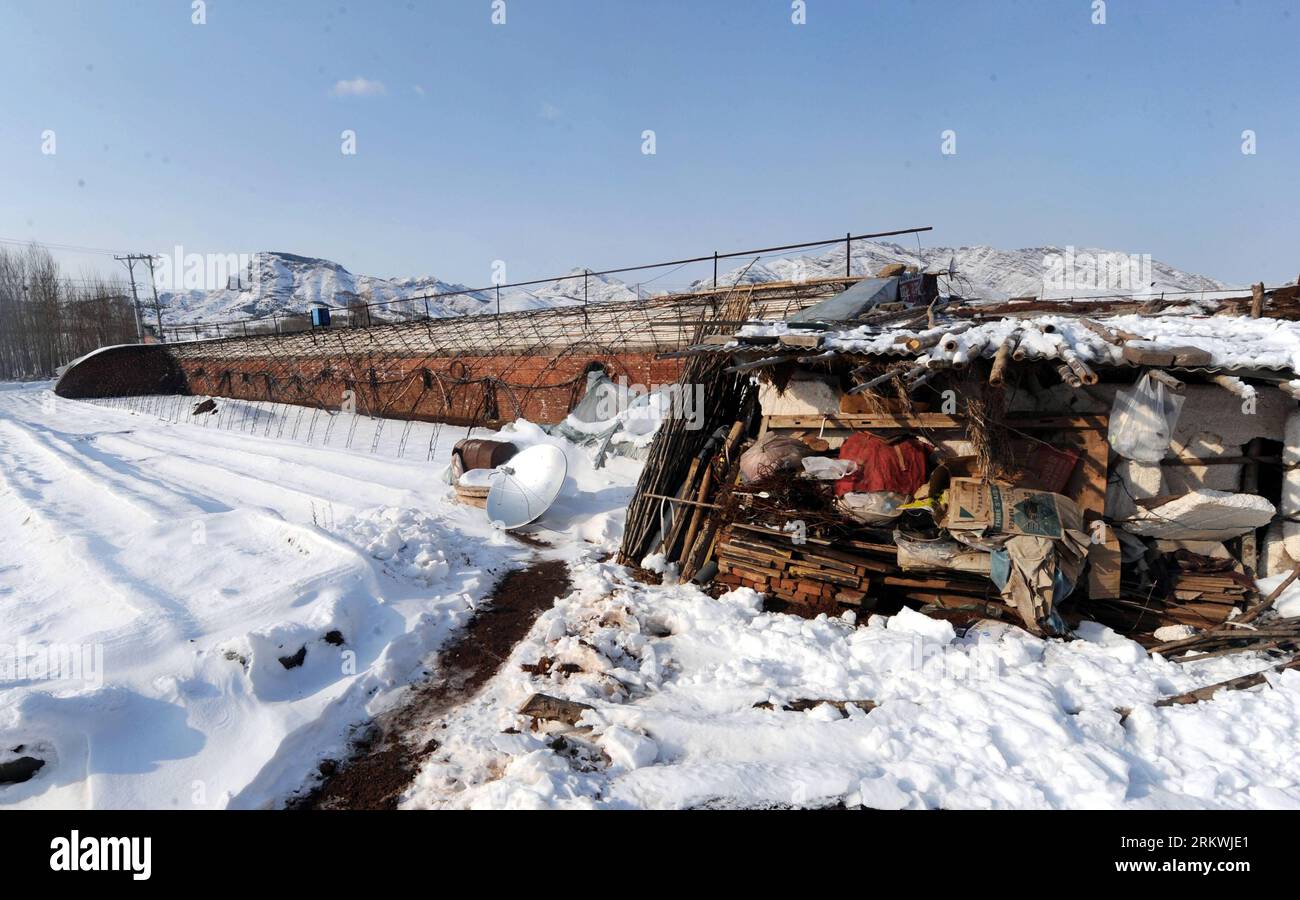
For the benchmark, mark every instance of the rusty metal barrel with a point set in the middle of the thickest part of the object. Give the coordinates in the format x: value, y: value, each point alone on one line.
x: 477, y: 453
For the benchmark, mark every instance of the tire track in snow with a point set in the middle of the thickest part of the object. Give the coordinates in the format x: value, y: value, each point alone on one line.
x: 127, y: 497
x: 335, y: 461
x: 79, y: 545
x: 298, y: 484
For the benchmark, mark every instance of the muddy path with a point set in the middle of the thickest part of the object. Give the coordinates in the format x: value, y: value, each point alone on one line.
x: 388, y: 754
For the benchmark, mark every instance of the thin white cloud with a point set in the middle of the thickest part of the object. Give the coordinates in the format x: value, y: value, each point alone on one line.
x: 359, y: 87
x: 550, y: 112
x: 419, y: 89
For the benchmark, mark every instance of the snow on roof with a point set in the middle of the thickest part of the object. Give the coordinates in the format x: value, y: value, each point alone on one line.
x: 1232, y: 342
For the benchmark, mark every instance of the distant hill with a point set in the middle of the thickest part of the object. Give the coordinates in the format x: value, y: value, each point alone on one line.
x: 286, y: 283
x: 990, y: 273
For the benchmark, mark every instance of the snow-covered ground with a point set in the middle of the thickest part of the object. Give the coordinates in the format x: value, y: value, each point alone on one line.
x: 996, y: 719
x: 178, y: 563
x: 195, y: 557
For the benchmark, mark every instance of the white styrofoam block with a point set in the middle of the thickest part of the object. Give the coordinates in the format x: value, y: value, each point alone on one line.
x: 802, y: 397
x: 1274, y: 553
x: 1203, y: 516
x: 1290, y: 502
x: 1133, y: 481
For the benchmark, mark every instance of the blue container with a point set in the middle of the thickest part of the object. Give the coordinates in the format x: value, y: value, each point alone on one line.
x: 320, y: 317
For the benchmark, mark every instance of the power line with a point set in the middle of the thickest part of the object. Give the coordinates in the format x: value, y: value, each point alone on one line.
x: 71, y: 248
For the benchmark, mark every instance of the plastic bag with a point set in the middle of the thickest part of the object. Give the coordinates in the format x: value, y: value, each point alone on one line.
x: 1143, y: 419
x: 826, y: 469
x: 874, y: 508
x: 770, y: 454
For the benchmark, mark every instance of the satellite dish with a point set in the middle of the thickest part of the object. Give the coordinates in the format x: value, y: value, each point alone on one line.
x: 525, y: 487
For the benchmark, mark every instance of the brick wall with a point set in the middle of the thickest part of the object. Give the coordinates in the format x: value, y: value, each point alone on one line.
x: 464, y: 389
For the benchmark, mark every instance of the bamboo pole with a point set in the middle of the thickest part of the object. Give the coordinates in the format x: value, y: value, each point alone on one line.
x: 997, y: 377
x: 1068, y: 376
x: 679, y: 515
x: 1081, y: 369
x: 878, y: 380
x: 1234, y: 386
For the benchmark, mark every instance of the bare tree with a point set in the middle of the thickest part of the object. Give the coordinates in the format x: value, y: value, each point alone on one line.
x: 47, y: 319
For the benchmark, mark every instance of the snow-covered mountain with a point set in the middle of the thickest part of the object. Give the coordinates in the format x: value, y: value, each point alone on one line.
x: 990, y: 273
x: 568, y: 291
x: 285, y: 283
x: 281, y: 283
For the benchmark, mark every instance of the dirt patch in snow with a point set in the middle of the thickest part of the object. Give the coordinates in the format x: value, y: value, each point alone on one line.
x: 388, y: 754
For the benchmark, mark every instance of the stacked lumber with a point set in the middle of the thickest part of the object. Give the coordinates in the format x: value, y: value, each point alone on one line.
x: 1273, y: 633
x: 1216, y: 589
x: 949, y: 590
x: 813, y: 573
x: 1136, y: 613
x: 823, y: 575
x: 1200, y: 591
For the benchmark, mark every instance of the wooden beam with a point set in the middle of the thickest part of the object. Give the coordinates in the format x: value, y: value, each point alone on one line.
x: 762, y: 363
x: 933, y: 421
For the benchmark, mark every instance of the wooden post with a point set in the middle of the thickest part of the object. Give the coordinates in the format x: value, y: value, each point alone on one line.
x: 1250, y: 485
x: 1257, y: 300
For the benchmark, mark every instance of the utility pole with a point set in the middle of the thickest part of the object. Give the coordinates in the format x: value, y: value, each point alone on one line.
x: 131, y: 259
x: 130, y: 268
x: 157, y: 309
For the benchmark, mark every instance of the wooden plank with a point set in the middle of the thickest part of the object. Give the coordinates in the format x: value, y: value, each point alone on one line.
x: 940, y: 584
x: 833, y: 565
x: 756, y: 574
x: 1140, y: 354
x: 759, y: 546
x: 950, y: 601
x: 1088, y: 482
x: 806, y: 341
x: 839, y: 578
x: 784, y: 538
x: 853, y: 559
x: 735, y: 555
x: 882, y: 549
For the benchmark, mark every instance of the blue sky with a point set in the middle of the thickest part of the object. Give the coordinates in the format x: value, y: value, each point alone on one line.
x: 522, y: 141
